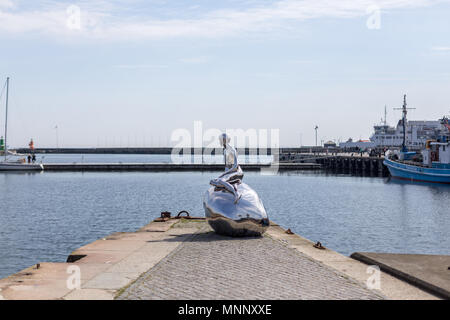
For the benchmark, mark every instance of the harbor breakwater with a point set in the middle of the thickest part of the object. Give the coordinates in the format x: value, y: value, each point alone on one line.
x: 285, y: 159
x: 175, y: 167
x: 371, y: 166
x: 169, y: 150
x: 366, y: 166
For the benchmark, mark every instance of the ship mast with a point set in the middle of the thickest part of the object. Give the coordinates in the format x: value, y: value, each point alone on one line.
x: 405, y: 112
x: 6, y: 118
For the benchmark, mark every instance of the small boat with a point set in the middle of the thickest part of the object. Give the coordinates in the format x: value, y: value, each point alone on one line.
x: 11, y: 164
x: 419, y: 173
x: 20, y: 166
x: 435, y: 165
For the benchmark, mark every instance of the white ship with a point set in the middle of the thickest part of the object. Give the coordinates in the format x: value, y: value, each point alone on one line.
x: 417, y: 134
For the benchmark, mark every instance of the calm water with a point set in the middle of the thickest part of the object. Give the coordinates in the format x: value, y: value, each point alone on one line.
x: 143, y: 158
x: 45, y: 216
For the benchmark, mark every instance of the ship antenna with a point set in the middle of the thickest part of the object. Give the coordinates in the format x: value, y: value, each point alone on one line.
x: 405, y: 112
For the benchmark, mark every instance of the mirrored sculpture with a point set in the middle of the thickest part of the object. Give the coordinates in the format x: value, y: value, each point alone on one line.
x: 232, y: 208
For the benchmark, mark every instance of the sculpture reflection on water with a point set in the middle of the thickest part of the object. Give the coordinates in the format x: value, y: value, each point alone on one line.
x: 232, y: 208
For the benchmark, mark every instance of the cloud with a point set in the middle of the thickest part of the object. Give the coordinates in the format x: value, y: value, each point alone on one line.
x: 140, y: 66
x: 6, y: 4
x: 302, y: 61
x: 123, y: 20
x: 441, y: 49
x: 195, y: 60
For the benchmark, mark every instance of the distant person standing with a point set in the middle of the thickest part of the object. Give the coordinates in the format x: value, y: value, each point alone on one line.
x: 31, y: 146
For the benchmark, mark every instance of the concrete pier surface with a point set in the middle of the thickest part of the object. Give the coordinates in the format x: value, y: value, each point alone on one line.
x: 184, y: 259
x: 429, y: 272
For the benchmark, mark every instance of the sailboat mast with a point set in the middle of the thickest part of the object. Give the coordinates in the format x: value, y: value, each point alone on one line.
x: 6, y: 118
x: 405, y: 111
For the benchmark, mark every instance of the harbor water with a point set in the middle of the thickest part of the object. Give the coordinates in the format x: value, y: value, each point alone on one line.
x: 45, y: 216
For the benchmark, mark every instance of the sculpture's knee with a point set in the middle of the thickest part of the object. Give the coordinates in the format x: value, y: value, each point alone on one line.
x: 215, y: 182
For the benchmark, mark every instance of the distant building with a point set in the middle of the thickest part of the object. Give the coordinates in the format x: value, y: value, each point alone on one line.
x: 417, y: 133
x: 329, y: 144
x: 360, y: 144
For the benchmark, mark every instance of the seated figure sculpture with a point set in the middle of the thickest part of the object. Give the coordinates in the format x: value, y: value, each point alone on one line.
x: 232, y: 208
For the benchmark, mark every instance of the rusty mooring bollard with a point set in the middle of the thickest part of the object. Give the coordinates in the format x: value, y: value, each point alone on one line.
x: 318, y: 245
x: 165, y: 214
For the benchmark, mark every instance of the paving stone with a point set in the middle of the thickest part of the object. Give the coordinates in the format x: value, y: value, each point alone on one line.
x: 210, y: 266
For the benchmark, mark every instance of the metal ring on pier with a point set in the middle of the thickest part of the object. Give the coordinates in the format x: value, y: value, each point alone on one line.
x: 181, y: 212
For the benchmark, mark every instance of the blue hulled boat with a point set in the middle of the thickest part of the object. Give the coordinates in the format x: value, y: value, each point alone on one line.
x: 410, y: 172
x: 435, y: 166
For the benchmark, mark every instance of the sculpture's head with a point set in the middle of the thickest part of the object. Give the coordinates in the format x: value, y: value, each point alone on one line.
x: 224, y: 139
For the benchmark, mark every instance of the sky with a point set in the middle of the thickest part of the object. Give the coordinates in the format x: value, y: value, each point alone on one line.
x: 130, y: 73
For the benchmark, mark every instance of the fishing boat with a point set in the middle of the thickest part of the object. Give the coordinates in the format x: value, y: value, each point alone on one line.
x: 432, y: 165
x: 8, y: 163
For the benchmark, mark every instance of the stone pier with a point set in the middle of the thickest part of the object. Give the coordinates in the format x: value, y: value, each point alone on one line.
x: 184, y: 259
